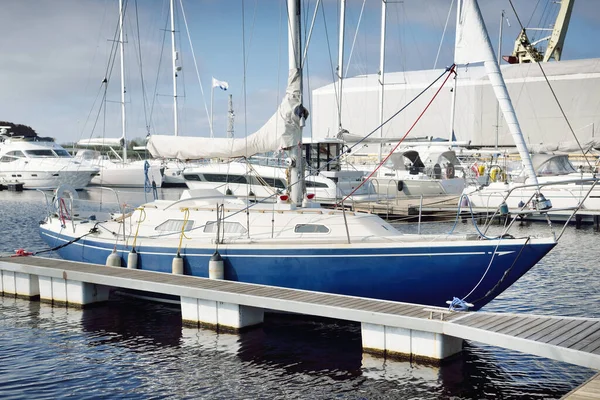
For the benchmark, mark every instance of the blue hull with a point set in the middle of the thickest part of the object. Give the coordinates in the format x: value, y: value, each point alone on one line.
x: 421, y: 275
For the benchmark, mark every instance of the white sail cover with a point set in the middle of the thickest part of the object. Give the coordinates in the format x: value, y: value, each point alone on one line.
x: 281, y: 131
x: 473, y: 45
x: 565, y: 147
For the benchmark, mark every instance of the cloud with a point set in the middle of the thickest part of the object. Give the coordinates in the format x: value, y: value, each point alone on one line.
x: 55, y: 54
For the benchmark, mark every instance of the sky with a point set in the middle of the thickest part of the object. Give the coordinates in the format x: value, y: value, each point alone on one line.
x: 56, y: 53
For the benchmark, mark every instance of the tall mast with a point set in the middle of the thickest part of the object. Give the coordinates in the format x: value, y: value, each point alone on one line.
x: 175, y: 68
x: 294, y: 54
x: 381, y: 71
x: 122, y: 50
x: 473, y: 45
x: 451, y: 136
x: 231, y: 116
x: 340, y: 68
x: 499, y: 58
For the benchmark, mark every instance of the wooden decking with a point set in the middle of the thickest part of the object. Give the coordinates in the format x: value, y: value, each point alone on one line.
x: 569, y: 339
x: 590, y: 390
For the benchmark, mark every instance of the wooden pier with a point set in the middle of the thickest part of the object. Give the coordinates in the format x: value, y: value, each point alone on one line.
x: 387, y: 328
x: 590, y: 390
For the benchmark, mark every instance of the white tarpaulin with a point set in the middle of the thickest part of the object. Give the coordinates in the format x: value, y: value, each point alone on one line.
x: 565, y: 147
x: 282, y: 131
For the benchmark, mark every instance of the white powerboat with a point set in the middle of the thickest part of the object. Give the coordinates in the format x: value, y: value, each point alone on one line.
x: 41, y: 164
x: 265, y: 182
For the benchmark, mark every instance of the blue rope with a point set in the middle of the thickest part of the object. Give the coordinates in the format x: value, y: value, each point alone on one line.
x: 459, y: 305
x: 147, y: 185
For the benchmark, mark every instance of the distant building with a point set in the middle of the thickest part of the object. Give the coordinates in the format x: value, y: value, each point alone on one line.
x: 576, y: 84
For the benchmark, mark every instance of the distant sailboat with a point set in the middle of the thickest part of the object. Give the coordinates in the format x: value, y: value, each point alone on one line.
x: 122, y: 172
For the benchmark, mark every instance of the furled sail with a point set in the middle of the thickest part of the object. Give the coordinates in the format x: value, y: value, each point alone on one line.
x: 281, y: 131
x: 473, y: 45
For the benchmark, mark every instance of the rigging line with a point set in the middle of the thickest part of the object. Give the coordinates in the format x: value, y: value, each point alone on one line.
x: 108, y: 72
x: 554, y: 95
x: 194, y: 58
x: 349, y: 149
x: 93, y: 62
x: 451, y: 71
x: 544, y: 17
x: 355, y: 36
x: 309, y: 36
x: 332, y: 69
x: 437, y: 56
x: 160, y: 58
x: 533, y: 12
x: 144, y: 97
x: 403, y: 108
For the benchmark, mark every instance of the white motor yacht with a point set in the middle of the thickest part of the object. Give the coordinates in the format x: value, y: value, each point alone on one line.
x: 40, y: 164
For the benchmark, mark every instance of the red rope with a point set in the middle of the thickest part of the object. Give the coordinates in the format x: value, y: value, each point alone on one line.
x: 62, y: 210
x: 452, y: 71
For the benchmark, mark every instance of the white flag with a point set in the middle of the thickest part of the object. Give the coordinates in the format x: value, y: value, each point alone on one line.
x: 220, y: 84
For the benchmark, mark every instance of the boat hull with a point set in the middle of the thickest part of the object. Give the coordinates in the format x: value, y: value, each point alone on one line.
x: 421, y: 274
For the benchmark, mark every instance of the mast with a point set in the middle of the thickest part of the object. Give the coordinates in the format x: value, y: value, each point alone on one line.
x: 175, y: 68
x: 451, y: 136
x: 230, y: 118
x: 381, y: 71
x: 122, y: 51
x: 294, y: 54
x: 340, y: 68
x: 499, y: 58
x: 473, y: 45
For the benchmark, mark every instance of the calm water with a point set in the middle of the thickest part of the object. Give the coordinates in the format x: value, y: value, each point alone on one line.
x: 132, y: 349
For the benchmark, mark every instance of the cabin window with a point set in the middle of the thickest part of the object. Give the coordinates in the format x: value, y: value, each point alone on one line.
x: 227, y: 227
x: 174, y: 225
x: 62, y: 153
x: 12, y: 156
x: 39, y: 153
x: 191, y: 177
x: 311, y: 228
x: 225, y: 178
x: 313, y: 184
x: 272, y: 182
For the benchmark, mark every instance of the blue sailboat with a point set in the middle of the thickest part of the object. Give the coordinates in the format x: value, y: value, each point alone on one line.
x: 294, y: 242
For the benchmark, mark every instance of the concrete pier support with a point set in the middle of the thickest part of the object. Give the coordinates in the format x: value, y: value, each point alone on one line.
x: 19, y: 284
x: 219, y: 315
x: 408, y: 343
x: 70, y: 292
